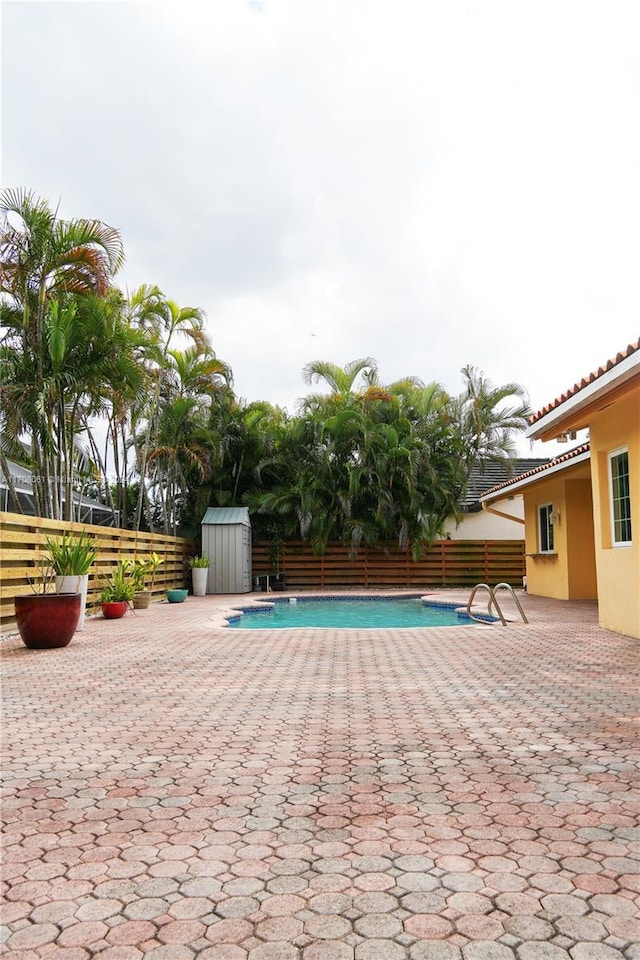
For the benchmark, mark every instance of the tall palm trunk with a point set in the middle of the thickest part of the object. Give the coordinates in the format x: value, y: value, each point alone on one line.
x: 145, y: 453
x: 104, y: 486
x: 8, y: 476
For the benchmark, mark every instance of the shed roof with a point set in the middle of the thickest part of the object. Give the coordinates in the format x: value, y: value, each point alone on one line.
x: 227, y: 515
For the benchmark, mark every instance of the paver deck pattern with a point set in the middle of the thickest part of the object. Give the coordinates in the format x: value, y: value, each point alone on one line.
x: 177, y: 790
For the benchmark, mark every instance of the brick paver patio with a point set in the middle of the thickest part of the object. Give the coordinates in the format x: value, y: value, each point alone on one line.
x: 176, y: 790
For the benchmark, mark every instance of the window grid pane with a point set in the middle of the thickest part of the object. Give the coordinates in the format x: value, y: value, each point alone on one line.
x: 546, y: 528
x: 621, y: 498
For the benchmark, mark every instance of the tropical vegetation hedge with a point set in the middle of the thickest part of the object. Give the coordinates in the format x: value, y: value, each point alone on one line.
x: 123, y: 397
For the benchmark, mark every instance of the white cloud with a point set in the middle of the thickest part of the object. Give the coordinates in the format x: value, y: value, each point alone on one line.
x: 431, y: 184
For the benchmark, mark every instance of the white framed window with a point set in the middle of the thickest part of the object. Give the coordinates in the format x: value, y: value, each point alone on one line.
x: 545, y: 528
x: 620, y: 497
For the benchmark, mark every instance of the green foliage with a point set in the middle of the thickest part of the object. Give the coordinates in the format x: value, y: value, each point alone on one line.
x: 387, y: 462
x: 199, y: 562
x: 153, y: 562
x: 363, y: 461
x: 143, y: 568
x: 71, y: 555
x: 54, y: 363
x: 121, y: 584
x: 139, y: 570
x: 277, y: 544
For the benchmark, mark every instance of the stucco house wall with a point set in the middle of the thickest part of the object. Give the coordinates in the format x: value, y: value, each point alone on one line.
x: 488, y: 526
x: 582, y: 579
x: 585, y: 560
x: 607, y: 404
x: 618, y: 567
x: 569, y: 573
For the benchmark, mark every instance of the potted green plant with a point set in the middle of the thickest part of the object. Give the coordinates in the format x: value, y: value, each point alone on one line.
x: 199, y: 574
x: 143, y: 573
x: 153, y: 562
x: 47, y: 620
x: 117, y: 596
x: 141, y: 596
x: 71, y: 558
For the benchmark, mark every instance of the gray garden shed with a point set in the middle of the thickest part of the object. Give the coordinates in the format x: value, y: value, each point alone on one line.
x: 226, y: 540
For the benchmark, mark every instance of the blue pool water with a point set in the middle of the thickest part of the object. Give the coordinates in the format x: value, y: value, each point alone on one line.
x: 342, y: 612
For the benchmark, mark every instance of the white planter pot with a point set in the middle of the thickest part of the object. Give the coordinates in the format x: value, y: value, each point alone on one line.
x: 77, y: 584
x: 199, y: 577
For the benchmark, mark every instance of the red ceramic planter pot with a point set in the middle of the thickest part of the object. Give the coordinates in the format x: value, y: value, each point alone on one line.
x: 49, y: 620
x: 114, y: 610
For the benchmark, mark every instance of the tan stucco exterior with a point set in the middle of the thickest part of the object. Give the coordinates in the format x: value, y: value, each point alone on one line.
x: 585, y: 563
x: 569, y: 573
x: 618, y: 567
x: 582, y: 578
x: 508, y: 525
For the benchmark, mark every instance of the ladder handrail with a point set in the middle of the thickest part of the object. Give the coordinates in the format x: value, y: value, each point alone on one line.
x: 510, y: 591
x: 493, y: 602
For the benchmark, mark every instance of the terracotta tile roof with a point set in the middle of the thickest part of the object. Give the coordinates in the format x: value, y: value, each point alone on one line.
x: 577, y: 387
x: 489, y: 474
x: 549, y: 465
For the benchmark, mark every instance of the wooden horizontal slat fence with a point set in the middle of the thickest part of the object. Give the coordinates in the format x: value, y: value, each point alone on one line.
x: 22, y: 545
x: 447, y: 563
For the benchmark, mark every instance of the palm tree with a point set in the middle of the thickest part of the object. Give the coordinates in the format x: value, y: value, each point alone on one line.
x: 340, y: 380
x: 248, y: 440
x: 123, y: 392
x: 198, y: 373
x: 489, y: 417
x: 86, y: 352
x: 42, y: 257
x: 166, y: 321
x: 180, y: 456
x: 139, y: 317
x: 46, y: 266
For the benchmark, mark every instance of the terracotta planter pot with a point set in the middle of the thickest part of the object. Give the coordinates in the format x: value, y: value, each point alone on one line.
x: 49, y: 620
x: 115, y: 609
x: 142, y: 600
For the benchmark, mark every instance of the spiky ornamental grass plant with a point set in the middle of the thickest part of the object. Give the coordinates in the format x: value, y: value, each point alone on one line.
x: 71, y: 556
x: 120, y: 586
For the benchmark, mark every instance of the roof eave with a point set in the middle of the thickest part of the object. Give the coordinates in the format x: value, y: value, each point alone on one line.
x: 518, y: 485
x: 566, y: 415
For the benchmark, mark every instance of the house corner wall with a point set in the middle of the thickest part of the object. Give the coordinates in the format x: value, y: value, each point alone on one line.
x: 569, y: 573
x: 580, y: 541
x: 618, y: 567
x: 547, y: 574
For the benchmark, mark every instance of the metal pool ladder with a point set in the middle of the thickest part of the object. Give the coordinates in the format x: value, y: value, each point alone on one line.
x: 494, y: 603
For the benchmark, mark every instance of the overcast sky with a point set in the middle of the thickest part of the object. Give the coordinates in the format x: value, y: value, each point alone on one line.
x: 427, y: 183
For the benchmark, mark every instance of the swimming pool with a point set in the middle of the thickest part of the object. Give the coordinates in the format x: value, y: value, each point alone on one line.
x: 353, y: 612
